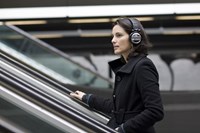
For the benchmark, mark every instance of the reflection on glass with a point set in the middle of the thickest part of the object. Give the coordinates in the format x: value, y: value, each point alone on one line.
x: 40, y: 57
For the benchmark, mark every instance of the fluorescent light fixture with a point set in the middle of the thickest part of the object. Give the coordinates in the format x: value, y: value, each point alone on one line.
x: 186, y: 8
x: 96, y: 20
x: 117, y: 10
x: 33, y: 22
x: 100, y: 11
x: 134, y: 10
x: 139, y: 18
x: 104, y: 20
x: 44, y: 36
x: 145, y: 18
x: 32, y: 12
x: 188, y: 17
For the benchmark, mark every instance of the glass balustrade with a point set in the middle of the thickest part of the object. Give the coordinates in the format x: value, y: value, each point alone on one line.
x: 47, y: 59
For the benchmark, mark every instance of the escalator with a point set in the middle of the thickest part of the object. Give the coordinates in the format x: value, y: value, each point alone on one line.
x: 21, y: 116
x: 40, y: 85
x: 49, y: 61
x: 30, y: 104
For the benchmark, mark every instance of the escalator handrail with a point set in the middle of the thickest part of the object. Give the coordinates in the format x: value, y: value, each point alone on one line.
x: 63, y: 109
x: 61, y: 104
x: 36, y: 110
x: 46, y: 80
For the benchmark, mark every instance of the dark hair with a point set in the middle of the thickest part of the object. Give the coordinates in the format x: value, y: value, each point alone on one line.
x: 144, y: 45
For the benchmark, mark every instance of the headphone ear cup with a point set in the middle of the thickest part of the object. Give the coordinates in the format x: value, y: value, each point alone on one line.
x: 135, y: 38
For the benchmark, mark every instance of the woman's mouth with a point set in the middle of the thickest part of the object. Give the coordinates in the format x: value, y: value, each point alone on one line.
x: 116, y: 47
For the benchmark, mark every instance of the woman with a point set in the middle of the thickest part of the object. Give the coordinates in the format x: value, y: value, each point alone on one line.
x: 136, y: 103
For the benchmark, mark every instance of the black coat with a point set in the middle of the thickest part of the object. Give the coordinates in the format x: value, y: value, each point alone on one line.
x: 136, y: 101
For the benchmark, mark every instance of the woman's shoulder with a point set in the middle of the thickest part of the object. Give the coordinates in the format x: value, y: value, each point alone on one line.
x: 145, y: 61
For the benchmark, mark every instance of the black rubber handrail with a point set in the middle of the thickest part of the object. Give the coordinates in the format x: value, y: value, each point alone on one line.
x: 35, y: 92
x: 51, y: 103
x: 46, y: 80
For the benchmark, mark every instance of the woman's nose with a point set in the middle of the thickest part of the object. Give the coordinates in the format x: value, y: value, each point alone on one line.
x: 113, y: 40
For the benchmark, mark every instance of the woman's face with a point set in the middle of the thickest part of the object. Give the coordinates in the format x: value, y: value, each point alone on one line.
x: 120, y: 41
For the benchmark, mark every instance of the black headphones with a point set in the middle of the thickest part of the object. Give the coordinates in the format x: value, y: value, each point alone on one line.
x: 135, y: 36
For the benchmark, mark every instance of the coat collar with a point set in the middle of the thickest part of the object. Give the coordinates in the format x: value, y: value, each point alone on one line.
x: 119, y: 64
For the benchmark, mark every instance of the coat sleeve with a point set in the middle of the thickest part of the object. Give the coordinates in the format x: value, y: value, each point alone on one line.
x: 147, y: 83
x: 101, y: 104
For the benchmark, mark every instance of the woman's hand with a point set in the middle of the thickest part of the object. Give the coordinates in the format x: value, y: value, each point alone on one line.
x: 77, y: 94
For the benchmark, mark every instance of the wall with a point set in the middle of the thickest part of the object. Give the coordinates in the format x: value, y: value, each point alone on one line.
x: 179, y: 74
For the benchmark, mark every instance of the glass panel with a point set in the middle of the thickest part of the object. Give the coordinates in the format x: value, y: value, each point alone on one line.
x: 42, y: 57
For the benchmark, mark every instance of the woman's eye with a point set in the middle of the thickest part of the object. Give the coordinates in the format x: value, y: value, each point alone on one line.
x: 118, y: 35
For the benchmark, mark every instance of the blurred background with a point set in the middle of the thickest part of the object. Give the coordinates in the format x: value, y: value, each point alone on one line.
x: 69, y: 42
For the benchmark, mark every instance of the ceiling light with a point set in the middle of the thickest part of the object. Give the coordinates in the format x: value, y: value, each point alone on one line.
x: 43, y: 36
x: 100, y: 11
x: 139, y: 18
x: 97, y: 20
x: 188, y: 17
x: 145, y: 18
x: 33, y: 22
x: 133, y: 10
x: 186, y: 8
x: 33, y: 12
